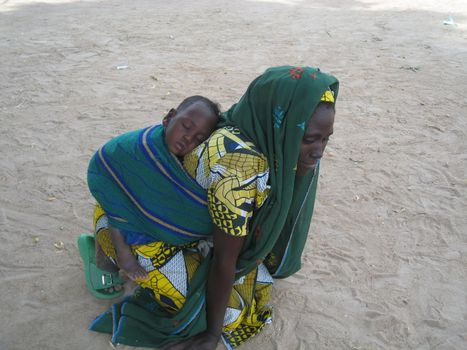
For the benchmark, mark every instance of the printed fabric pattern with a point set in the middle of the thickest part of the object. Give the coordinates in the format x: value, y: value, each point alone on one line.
x: 235, y: 174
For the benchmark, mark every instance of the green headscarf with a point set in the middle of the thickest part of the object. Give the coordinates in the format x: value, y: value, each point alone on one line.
x: 273, y: 114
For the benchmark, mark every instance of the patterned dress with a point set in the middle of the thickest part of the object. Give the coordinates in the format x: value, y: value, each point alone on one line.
x: 235, y: 175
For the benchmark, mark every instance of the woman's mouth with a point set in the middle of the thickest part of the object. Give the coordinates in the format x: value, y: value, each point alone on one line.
x: 309, y: 164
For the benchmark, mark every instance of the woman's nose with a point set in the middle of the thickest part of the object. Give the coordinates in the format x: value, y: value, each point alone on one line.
x: 317, y: 150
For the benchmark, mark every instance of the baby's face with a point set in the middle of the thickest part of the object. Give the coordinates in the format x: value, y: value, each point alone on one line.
x: 189, y: 128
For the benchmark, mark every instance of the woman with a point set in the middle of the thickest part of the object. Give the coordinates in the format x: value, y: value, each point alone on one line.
x: 260, y: 170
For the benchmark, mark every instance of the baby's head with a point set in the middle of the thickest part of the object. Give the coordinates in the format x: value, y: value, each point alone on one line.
x: 190, y: 124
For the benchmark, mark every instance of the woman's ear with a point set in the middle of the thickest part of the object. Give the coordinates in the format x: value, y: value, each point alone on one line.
x: 168, y: 117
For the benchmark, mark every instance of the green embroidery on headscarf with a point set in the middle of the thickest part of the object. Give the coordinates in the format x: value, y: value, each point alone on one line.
x: 278, y: 116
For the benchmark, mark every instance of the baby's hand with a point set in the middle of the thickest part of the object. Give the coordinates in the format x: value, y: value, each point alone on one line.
x: 128, y: 263
x: 135, y: 272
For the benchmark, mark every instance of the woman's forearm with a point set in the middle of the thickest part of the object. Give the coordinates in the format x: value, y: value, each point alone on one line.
x: 221, y: 278
x: 220, y: 281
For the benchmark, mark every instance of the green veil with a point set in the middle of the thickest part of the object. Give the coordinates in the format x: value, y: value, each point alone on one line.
x: 273, y: 114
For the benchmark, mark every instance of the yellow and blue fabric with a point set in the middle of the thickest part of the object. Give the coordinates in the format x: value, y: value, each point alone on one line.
x: 235, y: 175
x: 172, y: 272
x: 145, y: 192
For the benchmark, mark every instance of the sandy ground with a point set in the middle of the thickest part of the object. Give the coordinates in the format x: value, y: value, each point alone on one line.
x: 386, y: 262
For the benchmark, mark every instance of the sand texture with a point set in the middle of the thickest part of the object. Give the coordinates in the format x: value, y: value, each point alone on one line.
x: 385, y: 266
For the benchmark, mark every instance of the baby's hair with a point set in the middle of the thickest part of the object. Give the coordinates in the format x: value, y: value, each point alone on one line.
x: 213, y: 107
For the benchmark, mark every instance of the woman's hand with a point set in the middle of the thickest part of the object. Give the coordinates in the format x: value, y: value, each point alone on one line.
x: 202, y: 341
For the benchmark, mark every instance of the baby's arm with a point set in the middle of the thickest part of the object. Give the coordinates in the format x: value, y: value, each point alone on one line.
x: 125, y: 258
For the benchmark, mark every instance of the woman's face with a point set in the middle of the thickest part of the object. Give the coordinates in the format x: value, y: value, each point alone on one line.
x: 315, y: 138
